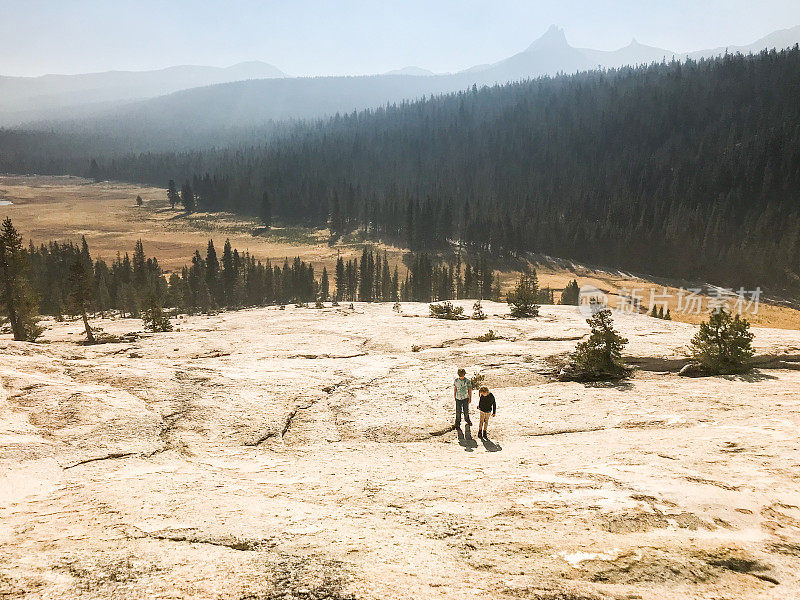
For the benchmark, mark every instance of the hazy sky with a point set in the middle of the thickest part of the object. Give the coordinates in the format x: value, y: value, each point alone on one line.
x: 316, y: 37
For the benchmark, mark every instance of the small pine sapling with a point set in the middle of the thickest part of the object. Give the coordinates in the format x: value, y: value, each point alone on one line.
x: 477, y: 311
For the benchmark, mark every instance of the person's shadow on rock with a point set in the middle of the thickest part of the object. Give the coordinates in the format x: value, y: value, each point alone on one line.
x: 490, y: 446
x: 465, y: 438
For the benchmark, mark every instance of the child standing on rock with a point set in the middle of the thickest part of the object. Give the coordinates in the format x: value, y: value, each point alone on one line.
x: 487, y: 406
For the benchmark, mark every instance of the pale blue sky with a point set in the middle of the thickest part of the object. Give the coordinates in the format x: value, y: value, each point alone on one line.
x: 315, y: 37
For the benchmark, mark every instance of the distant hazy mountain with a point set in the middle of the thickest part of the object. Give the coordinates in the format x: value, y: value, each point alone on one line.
x: 73, y: 95
x: 632, y: 54
x: 548, y: 55
x: 258, y: 100
x: 783, y: 38
x: 418, y: 71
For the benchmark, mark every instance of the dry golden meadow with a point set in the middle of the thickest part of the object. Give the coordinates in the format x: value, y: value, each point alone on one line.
x: 62, y: 208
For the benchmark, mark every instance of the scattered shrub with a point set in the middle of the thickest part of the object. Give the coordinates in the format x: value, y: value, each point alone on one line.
x: 446, y: 310
x: 397, y: 308
x: 599, y: 358
x: 477, y: 381
x: 477, y: 311
x: 488, y: 337
x: 723, y: 345
x: 415, y: 348
x: 154, y: 317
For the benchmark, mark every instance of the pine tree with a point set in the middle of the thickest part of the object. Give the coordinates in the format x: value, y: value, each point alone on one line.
x: 188, y: 198
x: 18, y: 302
x: 80, y: 294
x: 266, y: 211
x: 139, y: 201
x: 600, y: 356
x: 153, y: 315
x: 396, y: 285
x: 723, y: 345
x: 341, y: 281
x: 229, y: 274
x: 365, y: 277
x: 212, y: 274
x: 571, y: 294
x: 139, y: 265
x: 324, y: 287
x: 94, y: 171
x: 459, y: 280
x: 172, y: 194
x: 523, y: 300
x: 546, y: 296
x: 103, y: 296
x: 477, y: 311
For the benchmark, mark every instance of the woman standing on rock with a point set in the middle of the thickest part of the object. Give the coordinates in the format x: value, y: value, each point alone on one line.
x: 486, y: 406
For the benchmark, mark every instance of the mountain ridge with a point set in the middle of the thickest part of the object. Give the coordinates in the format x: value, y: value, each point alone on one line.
x: 34, y: 95
x: 252, y: 101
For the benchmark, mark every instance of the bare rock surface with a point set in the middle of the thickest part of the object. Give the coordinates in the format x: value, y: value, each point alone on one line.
x: 309, y: 453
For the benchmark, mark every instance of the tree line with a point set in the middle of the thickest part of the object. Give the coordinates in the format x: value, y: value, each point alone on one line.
x: 231, y: 280
x: 63, y: 279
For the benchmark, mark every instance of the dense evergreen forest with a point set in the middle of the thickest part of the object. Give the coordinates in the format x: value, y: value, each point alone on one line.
x: 683, y: 170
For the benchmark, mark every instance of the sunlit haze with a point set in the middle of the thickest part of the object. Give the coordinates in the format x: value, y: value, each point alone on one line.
x: 308, y: 37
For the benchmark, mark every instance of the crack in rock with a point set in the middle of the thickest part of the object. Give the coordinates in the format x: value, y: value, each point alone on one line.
x: 565, y: 431
x: 314, y: 356
x: 290, y: 417
x: 111, y: 456
x: 192, y: 536
x: 262, y: 439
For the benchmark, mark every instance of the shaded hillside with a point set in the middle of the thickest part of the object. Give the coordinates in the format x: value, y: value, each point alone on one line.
x: 686, y: 170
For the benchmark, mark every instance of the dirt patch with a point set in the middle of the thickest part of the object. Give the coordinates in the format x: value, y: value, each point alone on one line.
x: 645, y: 521
x: 651, y: 567
x: 293, y: 579
x: 95, y: 573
